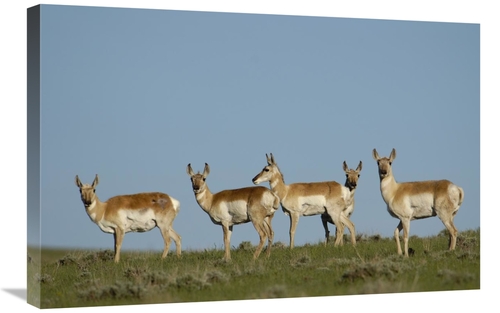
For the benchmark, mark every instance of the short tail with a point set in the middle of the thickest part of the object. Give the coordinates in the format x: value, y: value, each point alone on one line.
x: 461, y: 196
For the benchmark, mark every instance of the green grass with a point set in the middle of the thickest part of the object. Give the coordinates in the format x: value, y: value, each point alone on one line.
x: 79, y: 278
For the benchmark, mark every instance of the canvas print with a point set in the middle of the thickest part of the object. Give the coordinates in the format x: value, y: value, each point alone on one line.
x: 188, y: 156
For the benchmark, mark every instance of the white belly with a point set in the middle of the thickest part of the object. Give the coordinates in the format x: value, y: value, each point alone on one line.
x: 132, y: 221
x: 414, y: 207
x: 237, y: 211
x: 311, y: 205
x: 139, y: 220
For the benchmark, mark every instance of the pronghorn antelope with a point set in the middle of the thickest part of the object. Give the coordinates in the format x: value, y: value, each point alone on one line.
x: 306, y: 199
x: 139, y: 212
x: 351, y: 182
x: 415, y: 200
x: 236, y: 206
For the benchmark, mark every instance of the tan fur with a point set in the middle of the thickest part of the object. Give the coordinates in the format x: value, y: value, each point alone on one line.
x: 416, y: 200
x: 305, y: 199
x: 130, y: 213
x: 139, y: 200
x: 351, y: 182
x: 237, y: 206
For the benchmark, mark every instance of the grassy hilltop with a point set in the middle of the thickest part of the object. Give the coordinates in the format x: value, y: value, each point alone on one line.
x: 78, y: 278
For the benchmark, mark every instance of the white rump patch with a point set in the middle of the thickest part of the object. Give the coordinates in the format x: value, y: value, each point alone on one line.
x: 176, y: 203
x: 454, y: 193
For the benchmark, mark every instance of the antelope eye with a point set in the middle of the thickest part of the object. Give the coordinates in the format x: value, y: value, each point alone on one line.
x: 266, y: 170
x: 359, y: 175
x: 204, y: 178
x: 346, y: 175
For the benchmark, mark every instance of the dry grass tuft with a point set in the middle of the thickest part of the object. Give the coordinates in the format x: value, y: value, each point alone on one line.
x: 118, y: 290
x: 453, y: 277
x: 276, y: 291
x: 383, y: 268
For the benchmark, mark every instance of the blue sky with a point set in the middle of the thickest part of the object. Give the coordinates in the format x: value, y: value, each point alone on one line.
x: 153, y: 95
x: 135, y: 95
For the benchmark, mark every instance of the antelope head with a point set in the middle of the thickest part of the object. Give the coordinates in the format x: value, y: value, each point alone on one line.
x: 267, y: 172
x: 352, y: 176
x: 87, y: 192
x: 198, y: 180
x: 384, y: 163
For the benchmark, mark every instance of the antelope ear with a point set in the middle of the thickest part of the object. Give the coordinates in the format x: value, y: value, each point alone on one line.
x: 96, y: 181
x: 78, y: 182
x: 393, y: 155
x: 206, y: 170
x: 268, y: 159
x: 189, y: 170
x: 360, y: 166
x: 375, y: 155
x: 272, y: 159
x: 345, y: 167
